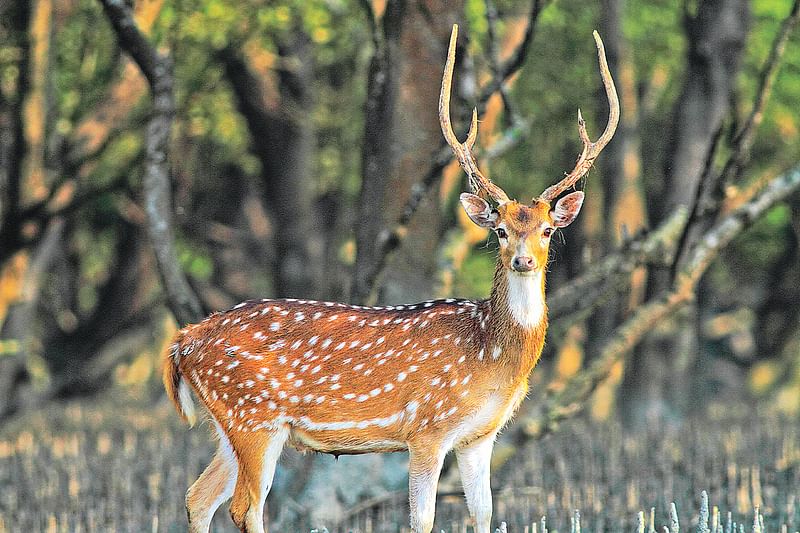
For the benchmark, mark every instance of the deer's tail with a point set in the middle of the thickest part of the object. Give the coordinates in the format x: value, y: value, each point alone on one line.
x: 178, y: 389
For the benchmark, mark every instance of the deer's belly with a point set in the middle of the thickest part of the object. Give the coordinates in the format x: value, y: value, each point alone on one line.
x: 488, y: 419
x: 343, y: 442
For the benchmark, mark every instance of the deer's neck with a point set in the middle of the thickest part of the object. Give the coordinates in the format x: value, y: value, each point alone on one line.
x: 518, y: 316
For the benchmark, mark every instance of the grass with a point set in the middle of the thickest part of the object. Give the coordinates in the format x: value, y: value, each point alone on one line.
x: 106, y: 467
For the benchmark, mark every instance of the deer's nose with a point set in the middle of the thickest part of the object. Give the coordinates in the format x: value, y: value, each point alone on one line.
x: 522, y: 263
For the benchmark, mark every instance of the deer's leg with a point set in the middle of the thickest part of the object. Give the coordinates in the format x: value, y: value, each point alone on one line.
x: 424, y: 467
x: 212, y: 488
x: 258, y: 455
x: 473, y: 464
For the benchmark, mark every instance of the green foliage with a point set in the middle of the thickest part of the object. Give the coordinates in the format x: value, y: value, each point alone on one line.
x: 195, y: 262
x: 474, y: 279
x: 85, y: 60
x: 760, y: 247
x: 475, y: 13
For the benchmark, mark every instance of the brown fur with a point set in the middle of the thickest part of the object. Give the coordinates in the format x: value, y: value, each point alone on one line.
x: 449, y: 322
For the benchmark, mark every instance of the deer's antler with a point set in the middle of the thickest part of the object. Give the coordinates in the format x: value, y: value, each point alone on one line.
x: 590, y: 149
x: 479, y: 183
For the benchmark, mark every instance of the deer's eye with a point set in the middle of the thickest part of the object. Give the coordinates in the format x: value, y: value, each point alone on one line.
x: 501, y: 233
x: 547, y: 232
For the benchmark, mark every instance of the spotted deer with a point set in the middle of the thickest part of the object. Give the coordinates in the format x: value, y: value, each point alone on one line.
x: 428, y: 378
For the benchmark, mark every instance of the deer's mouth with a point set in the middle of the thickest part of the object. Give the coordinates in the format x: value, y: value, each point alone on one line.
x: 533, y: 272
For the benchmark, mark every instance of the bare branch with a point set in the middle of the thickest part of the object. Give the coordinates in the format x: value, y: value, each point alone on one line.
x: 517, y: 59
x: 700, y: 193
x: 580, y: 293
x: 154, y: 66
x: 744, y: 139
x: 494, y: 58
x: 157, y: 68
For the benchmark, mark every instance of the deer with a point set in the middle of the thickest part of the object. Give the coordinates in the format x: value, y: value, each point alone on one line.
x: 426, y: 378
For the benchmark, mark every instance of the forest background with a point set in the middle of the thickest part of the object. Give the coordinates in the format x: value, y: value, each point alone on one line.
x: 162, y: 160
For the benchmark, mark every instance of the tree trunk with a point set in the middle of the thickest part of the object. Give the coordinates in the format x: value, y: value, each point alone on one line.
x: 158, y: 69
x: 619, y: 165
x: 283, y: 140
x: 20, y: 323
x: 380, y: 152
x: 716, y: 37
x: 13, y: 146
x: 409, y: 134
x: 777, y: 317
x: 121, y: 307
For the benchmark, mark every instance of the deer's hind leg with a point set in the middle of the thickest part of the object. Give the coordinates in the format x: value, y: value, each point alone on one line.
x: 258, y: 453
x: 214, y: 486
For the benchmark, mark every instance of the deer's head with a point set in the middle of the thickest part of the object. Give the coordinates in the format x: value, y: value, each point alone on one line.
x: 523, y: 230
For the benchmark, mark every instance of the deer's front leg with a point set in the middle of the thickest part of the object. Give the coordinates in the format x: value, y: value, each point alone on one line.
x: 424, y: 467
x: 473, y: 464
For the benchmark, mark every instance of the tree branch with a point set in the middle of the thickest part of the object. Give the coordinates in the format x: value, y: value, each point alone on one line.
x: 157, y: 68
x: 700, y: 193
x: 494, y: 60
x: 744, y: 139
x: 579, y: 294
x: 41, y: 212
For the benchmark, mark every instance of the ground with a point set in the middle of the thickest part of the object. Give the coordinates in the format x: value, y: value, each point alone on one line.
x: 124, y: 466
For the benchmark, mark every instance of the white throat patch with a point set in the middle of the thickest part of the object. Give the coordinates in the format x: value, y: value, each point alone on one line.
x: 525, y: 299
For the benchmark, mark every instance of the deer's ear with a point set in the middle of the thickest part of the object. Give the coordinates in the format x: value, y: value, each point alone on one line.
x: 567, y: 209
x: 479, y: 210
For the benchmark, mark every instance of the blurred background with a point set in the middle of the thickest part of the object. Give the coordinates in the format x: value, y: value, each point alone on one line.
x: 292, y: 148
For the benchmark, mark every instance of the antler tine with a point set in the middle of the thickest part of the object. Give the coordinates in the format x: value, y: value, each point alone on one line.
x: 463, y: 151
x: 590, y: 149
